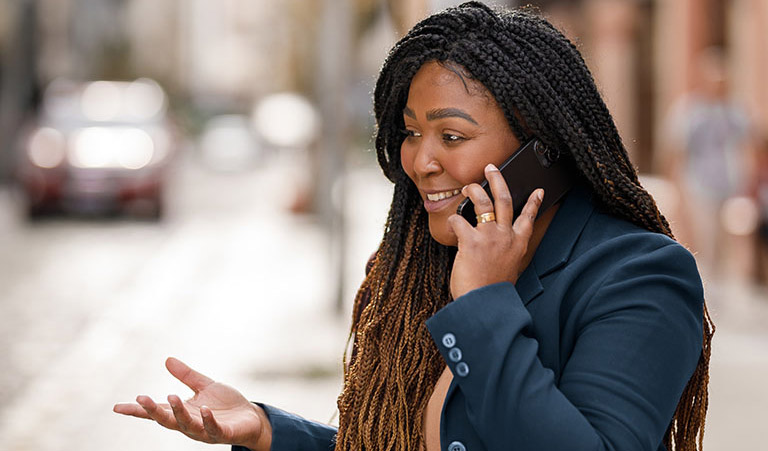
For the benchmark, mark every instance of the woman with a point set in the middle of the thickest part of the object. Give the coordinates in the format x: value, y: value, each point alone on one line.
x: 577, y: 328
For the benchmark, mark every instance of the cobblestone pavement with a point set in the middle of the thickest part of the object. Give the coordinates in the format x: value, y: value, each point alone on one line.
x: 240, y: 289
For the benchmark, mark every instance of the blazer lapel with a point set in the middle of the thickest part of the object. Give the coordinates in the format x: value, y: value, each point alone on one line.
x: 529, y: 285
x: 557, y: 245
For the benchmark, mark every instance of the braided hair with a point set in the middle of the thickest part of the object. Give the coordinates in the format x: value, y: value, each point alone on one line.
x: 545, y: 89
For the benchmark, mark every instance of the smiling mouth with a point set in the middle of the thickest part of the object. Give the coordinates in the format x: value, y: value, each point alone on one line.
x: 434, y: 197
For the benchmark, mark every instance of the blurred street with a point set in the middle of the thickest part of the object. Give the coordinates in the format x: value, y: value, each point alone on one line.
x: 242, y: 290
x: 230, y: 282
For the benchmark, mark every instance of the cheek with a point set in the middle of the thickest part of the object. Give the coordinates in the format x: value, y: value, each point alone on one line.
x: 470, y: 168
x: 465, y: 170
x: 406, y: 161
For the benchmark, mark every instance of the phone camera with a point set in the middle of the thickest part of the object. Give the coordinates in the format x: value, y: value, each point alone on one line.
x: 544, y: 154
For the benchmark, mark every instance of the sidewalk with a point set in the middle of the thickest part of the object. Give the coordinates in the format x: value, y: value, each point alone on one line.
x: 241, y: 290
x: 739, y: 367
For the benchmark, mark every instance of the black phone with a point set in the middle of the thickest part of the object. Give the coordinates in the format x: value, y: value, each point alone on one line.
x: 532, y: 166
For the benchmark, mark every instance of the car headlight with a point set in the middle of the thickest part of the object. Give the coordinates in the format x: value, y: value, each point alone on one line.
x: 138, y: 150
x: 103, y: 147
x: 46, y: 148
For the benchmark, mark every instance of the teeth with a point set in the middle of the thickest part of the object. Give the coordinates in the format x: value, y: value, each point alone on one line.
x: 444, y: 195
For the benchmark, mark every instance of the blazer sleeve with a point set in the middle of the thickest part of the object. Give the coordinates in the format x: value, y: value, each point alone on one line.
x: 293, y: 433
x: 638, y: 341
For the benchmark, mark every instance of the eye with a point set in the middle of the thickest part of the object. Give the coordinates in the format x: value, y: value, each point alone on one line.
x: 450, y: 138
x: 411, y: 133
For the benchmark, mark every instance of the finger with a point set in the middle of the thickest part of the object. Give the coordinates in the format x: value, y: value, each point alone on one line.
x: 502, y: 199
x: 160, y: 414
x: 460, y: 227
x: 212, y: 427
x: 479, y: 197
x: 184, y: 420
x: 131, y: 409
x: 523, y: 225
x: 191, y: 378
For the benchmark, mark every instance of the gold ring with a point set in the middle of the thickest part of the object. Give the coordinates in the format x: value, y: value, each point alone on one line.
x: 486, y: 217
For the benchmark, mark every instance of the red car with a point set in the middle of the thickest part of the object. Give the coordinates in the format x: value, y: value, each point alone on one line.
x: 97, y: 147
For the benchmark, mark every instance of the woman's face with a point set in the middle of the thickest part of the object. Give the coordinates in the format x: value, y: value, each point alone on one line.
x: 453, y: 132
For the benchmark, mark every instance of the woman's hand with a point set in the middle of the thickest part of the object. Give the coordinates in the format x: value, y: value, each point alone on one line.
x: 217, y: 413
x: 495, y: 251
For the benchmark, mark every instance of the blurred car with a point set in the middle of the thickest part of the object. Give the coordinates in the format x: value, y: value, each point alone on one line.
x: 97, y: 147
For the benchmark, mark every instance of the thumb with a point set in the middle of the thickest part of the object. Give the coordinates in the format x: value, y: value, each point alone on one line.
x: 191, y: 378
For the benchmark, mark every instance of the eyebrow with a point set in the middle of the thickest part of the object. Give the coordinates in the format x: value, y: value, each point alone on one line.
x: 440, y: 113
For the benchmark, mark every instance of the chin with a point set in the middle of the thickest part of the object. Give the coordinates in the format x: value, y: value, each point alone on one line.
x: 442, y: 235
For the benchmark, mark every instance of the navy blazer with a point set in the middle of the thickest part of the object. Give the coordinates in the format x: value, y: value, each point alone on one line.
x: 589, y: 350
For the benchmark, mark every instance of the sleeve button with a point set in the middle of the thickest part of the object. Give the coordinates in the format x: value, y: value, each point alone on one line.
x: 454, y: 354
x: 449, y: 340
x: 462, y: 369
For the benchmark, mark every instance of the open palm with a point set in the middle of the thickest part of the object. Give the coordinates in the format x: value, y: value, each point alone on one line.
x: 217, y: 413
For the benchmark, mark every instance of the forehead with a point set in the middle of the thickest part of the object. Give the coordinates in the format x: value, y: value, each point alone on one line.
x: 449, y: 82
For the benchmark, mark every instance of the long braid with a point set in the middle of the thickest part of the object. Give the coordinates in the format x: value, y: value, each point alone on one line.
x: 544, y: 87
x: 395, y: 365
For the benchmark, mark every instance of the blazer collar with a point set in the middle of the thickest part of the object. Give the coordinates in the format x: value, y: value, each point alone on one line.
x: 557, y: 245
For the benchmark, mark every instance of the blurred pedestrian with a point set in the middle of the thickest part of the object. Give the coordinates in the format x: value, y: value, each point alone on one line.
x: 582, y: 328
x: 708, y: 137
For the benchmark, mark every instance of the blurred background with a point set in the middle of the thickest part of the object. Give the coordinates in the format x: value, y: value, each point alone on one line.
x: 195, y: 178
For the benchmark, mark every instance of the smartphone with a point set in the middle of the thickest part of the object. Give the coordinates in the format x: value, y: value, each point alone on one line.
x: 532, y: 166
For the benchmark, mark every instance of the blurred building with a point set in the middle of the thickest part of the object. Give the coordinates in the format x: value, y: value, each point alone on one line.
x: 643, y: 54
x: 228, y: 49
x: 224, y: 54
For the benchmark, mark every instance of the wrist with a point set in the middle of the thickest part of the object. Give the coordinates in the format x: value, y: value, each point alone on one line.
x: 263, y: 440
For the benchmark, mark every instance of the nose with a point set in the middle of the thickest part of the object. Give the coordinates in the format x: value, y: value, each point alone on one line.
x: 425, y: 160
